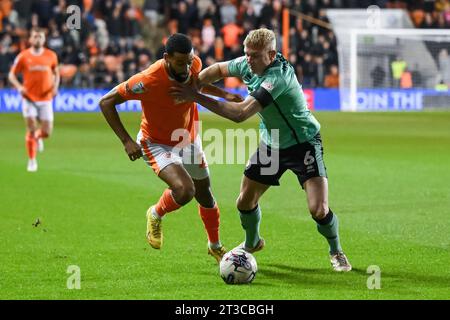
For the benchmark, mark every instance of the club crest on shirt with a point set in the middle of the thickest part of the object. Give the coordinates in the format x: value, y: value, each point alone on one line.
x: 138, y: 88
x: 267, y: 85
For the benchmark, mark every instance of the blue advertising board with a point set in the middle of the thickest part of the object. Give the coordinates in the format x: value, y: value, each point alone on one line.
x: 86, y: 100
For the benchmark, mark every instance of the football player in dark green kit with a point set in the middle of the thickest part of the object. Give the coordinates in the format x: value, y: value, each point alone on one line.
x: 290, y: 137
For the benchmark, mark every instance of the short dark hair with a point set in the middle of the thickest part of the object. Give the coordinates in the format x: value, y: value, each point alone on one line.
x: 178, y: 42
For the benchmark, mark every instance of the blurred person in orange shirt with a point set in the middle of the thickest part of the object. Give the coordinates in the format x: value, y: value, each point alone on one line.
x: 332, y: 78
x: 39, y: 68
x: 231, y: 33
x: 406, y: 79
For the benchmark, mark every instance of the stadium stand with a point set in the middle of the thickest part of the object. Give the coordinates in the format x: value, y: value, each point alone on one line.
x: 120, y: 37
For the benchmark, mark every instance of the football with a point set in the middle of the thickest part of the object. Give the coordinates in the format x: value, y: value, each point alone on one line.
x: 238, y: 267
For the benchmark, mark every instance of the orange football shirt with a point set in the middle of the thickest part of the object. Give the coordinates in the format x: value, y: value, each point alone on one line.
x: 163, y: 117
x: 37, y: 71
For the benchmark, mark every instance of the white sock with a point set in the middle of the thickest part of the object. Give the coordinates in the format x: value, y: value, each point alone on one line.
x: 215, y: 245
x: 155, y: 214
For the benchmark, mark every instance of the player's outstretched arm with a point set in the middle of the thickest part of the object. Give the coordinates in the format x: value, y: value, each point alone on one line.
x: 221, y: 93
x: 108, y: 105
x: 234, y: 111
x: 213, y: 73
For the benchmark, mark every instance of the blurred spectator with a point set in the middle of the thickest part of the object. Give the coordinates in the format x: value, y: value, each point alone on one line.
x: 235, y: 52
x: 378, y: 76
x: 67, y: 73
x: 143, y: 62
x: 267, y: 13
x: 320, y: 71
x: 418, y: 16
x: 406, y: 80
x: 305, y: 44
x: 228, y: 12
x: 416, y: 77
x: 23, y: 8
x: 59, y: 13
x: 6, y: 59
x: 43, y: 9
x: 249, y: 17
x: 183, y: 17
x: 133, y: 17
x: 151, y: 9
x: 101, y: 34
x: 231, y: 34
x: 398, y: 66
x: 441, y: 86
x: 55, y: 40
x: 257, y: 6
x: 212, y: 13
x: 429, y: 22
x: 139, y: 48
x: 446, y: 15
x: 114, y: 24
x: 208, y: 33
x: 309, y: 71
x: 219, y: 49
x: 332, y: 78
x: 203, y: 6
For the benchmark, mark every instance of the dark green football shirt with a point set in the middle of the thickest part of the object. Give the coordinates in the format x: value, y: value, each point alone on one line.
x: 284, y: 104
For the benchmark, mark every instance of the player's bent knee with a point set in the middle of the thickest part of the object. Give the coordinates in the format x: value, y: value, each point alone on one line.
x: 246, y: 203
x: 183, y: 193
x: 319, y: 211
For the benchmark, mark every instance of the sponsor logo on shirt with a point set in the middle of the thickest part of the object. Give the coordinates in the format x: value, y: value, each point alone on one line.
x: 267, y: 85
x: 138, y: 88
x: 39, y: 68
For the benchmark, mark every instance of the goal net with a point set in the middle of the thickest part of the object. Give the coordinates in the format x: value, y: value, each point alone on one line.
x: 386, y: 64
x: 398, y: 69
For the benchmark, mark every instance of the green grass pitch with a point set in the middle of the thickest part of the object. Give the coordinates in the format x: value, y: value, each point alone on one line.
x: 389, y: 177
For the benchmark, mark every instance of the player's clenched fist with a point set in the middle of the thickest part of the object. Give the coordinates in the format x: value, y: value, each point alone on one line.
x: 183, y: 91
x: 133, y: 150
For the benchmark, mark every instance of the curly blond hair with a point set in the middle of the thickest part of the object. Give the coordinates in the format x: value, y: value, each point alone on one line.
x: 261, y: 39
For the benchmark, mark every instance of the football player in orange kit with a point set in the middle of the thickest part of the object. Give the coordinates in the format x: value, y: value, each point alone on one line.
x: 39, y: 68
x: 168, y: 139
